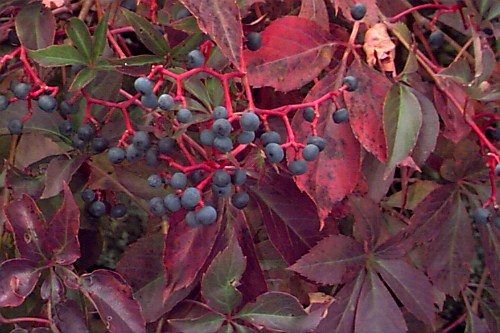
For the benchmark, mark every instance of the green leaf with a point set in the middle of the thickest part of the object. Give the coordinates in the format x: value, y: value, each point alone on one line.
x: 99, y: 38
x: 35, y: 26
x: 197, y: 319
x: 402, y: 122
x: 80, y: 36
x: 146, y: 32
x: 57, y: 55
x: 277, y: 311
x: 458, y: 71
x: 140, y: 60
x: 218, y: 286
x: 84, y: 77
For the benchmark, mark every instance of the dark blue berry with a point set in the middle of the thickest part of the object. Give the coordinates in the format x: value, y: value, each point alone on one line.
x: 340, y: 116
x: 21, y: 90
x: 249, y: 121
x: 165, y: 102
x: 254, y: 41
x: 310, y: 152
x: 308, y: 114
x: 152, y: 157
x: 221, y: 178
x: 221, y: 127
x: 15, y: 126
x: 298, y: 167
x: 116, y: 155
x: 65, y: 108
x: 133, y: 154
x: 190, y: 198
x: 436, y: 39
x: 178, y: 181
x: 274, y: 152
x: 97, y: 209
x: 358, y: 11
x: 497, y: 169
x: 143, y: 86
x: 220, y: 112
x: 4, y: 102
x: 239, y: 177
x: 129, y: 4
x: 206, y: 215
x: 270, y: 137
x: 240, y: 200
x: 157, y: 207
x: 77, y: 142
x: 221, y: 191
x: 223, y: 145
x: 86, y: 132
x: 100, y: 144
x: 246, y: 137
x: 184, y: 116
x: 480, y: 215
x: 207, y: 137
x: 195, y: 59
x: 88, y: 195
x: 191, y: 220
x: 196, y: 176
x: 350, y: 82
x: 165, y: 145
x: 141, y: 140
x: 318, y: 141
x: 65, y: 128
x: 47, y: 103
x: 118, y: 211
x: 155, y: 181
x: 149, y: 101
x: 172, y: 202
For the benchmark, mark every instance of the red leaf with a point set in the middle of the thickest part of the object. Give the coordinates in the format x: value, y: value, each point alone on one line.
x: 366, y: 109
x: 293, y: 52
x: 221, y: 20
x: 372, y: 10
x: 18, y: 278
x: 315, y: 10
x: 490, y: 239
x: 411, y: 286
x: 60, y: 170
x: 289, y: 216
x: 368, y: 221
x: 113, y: 299
x: 377, y: 312
x: 341, y: 313
x: 62, y: 232
x: 68, y: 317
x: 335, y: 259
x: 29, y: 227
x: 335, y: 172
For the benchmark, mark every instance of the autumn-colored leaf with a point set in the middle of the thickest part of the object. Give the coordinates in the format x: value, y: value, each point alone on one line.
x: 335, y: 259
x: 35, y: 26
x: 315, y: 10
x: 60, y: 170
x: 34, y: 147
x: 113, y: 299
x: 490, y: 239
x: 68, y: 317
x: 379, y: 48
x: 366, y: 109
x: 221, y: 20
x: 428, y: 134
x: 18, y: 278
x: 294, y: 51
x: 344, y: 6
x: 368, y: 221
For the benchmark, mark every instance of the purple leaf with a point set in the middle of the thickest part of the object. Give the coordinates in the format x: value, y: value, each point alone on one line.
x: 68, y: 317
x: 113, y: 299
x: 18, y: 278
x: 60, y: 169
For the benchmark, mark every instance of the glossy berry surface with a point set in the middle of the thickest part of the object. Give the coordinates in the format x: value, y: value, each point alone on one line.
x: 195, y: 59
x: 133, y: 154
x: 207, y: 137
x: 240, y: 200
x: 149, y: 101
x: 308, y: 114
x: 100, y: 144
x: 358, y: 11
x: 239, y: 177
x: 221, y: 191
x: 21, y: 90
x: 340, y: 116
x: 436, y: 39
x: 66, y: 108
x: 143, y: 86
x: 165, y: 145
x: 274, y: 153
x: 65, y: 128
x: 86, y: 132
x: 191, y: 220
x: 47, y: 103
x: 221, y: 127
x: 351, y: 82
x: 152, y: 157
x: 165, y: 102
x: 254, y: 41
x: 4, y: 102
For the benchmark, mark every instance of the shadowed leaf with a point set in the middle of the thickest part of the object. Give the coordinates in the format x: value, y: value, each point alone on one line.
x: 35, y: 26
x: 18, y: 278
x: 490, y: 239
x: 59, y: 170
x: 197, y: 319
x: 428, y: 134
x: 99, y: 40
x: 113, y: 299
x: 80, y: 36
x: 315, y: 10
x: 84, y: 77
x: 68, y: 317
x: 294, y: 51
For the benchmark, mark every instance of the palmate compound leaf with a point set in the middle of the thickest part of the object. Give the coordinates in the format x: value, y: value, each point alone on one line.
x: 222, y: 21
x: 334, y: 260
x: 219, y: 282
x: 277, y: 311
x: 112, y: 297
x: 402, y: 122
x: 18, y: 278
x: 294, y: 51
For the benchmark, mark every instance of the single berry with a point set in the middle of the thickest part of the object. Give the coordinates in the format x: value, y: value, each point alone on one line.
x: 152, y: 157
x: 318, y: 141
x: 100, y: 144
x: 65, y: 128
x: 133, y: 154
x: 195, y: 59
x: 246, y: 137
x: 118, y: 211
x: 65, y: 108
x: 298, y: 167
x: 21, y: 90
x: 221, y: 178
x: 340, y: 116
x: 165, y: 102
x: 308, y: 114
x: 77, y: 142
x: 196, y: 176
x: 190, y: 198
x: 143, y: 86
x: 219, y: 112
x: 165, y: 145
x: 350, y: 82
x: 141, y: 140
x: 310, y: 152
x: 116, y: 155
x: 480, y: 215
x: 240, y: 200
x: 207, y: 137
x: 223, y: 145
x: 129, y: 4
x: 149, y: 101
x: 221, y: 191
x: 155, y: 181
x: 254, y: 41
x: 15, y: 126
x: 191, y: 220
x: 47, y: 103
x: 497, y: 169
x: 86, y: 132
x: 206, y: 215
x: 270, y: 137
x: 239, y: 177
x: 358, y: 11
x: 274, y: 153
x: 157, y: 207
x: 249, y: 121
x: 436, y: 39
x: 178, y: 181
x: 184, y: 116
x: 97, y: 209
x: 88, y: 195
x: 221, y: 127
x: 172, y: 202
x: 4, y: 102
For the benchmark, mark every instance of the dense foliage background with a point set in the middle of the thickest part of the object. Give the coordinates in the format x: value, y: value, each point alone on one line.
x: 249, y: 166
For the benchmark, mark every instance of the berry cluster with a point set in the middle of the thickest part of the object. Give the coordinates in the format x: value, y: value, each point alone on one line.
x: 98, y: 208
